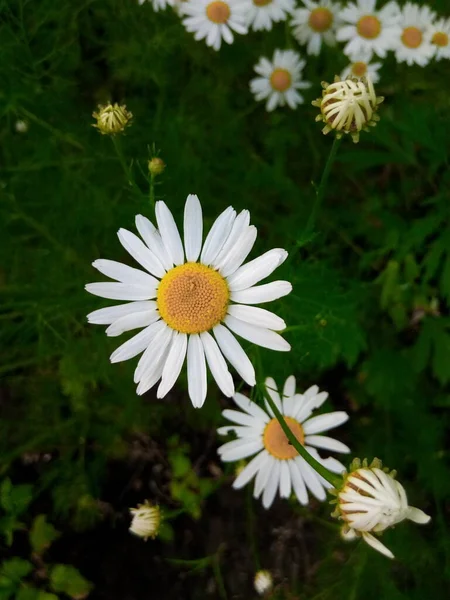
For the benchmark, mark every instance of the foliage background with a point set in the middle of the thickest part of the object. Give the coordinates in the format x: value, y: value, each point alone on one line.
x: 368, y: 319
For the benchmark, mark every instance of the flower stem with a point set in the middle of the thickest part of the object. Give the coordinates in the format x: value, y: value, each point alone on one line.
x: 332, y: 478
x: 152, y: 190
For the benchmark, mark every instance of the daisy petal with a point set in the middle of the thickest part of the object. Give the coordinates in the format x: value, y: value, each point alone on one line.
x: 123, y: 273
x: 251, y: 408
x: 250, y: 470
x: 196, y: 366
x: 377, y: 545
x: 234, y: 353
x: 173, y: 364
x: 136, y: 344
x: 217, y: 235
x: 297, y: 482
x: 324, y: 422
x: 141, y: 254
x: 121, y: 291
x: 217, y: 364
x: 285, y: 480
x: 239, y: 252
x: 262, y: 293
x: 169, y: 233
x: 152, y: 238
x: 106, y: 316
x: 257, y: 269
x: 311, y: 478
x: 193, y: 228
x: 239, y: 449
x: 257, y: 316
x: 272, y: 484
x: 132, y: 321
x: 326, y: 443
x: 257, y: 335
x: 152, y: 361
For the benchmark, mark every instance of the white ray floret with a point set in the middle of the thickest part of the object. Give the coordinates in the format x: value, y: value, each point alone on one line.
x: 277, y: 467
x: 192, y: 300
x: 279, y: 80
x: 361, y: 66
x: 159, y: 4
x: 314, y: 23
x: 414, y: 45
x: 215, y: 20
x: 262, y: 14
x: 367, y: 28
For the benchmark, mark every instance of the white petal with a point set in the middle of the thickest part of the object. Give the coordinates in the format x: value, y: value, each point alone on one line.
x: 173, y: 364
x: 377, y: 545
x: 239, y: 417
x: 169, y: 233
x: 234, y: 353
x: 285, y: 480
x: 217, y: 235
x: 257, y: 335
x: 239, y: 252
x: 297, y: 482
x: 217, y: 364
x: 324, y: 422
x: 263, y: 474
x: 196, y: 366
x: 262, y: 293
x: 311, y: 478
x: 251, y: 408
x: 327, y: 443
x: 272, y: 485
x: 193, y: 228
x: 239, y: 449
x: 132, y: 321
x: 257, y: 269
x: 257, y: 316
x: 250, y: 470
x: 152, y: 238
x: 123, y: 273
x: 272, y: 390
x: 159, y: 342
x: 289, y: 387
x: 240, y: 225
x: 106, y: 316
x: 417, y: 516
x: 137, y: 343
x: 141, y: 254
x: 151, y: 367
x: 120, y: 291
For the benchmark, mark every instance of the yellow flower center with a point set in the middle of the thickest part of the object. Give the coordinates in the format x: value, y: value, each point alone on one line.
x: 369, y: 27
x: 440, y: 39
x: 192, y: 298
x: 412, y: 37
x: 320, y: 19
x: 280, y: 80
x: 359, y: 69
x: 262, y: 2
x: 218, y: 12
x: 276, y: 442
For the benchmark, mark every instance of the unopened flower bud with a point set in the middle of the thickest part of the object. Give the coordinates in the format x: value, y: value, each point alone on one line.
x: 370, y: 501
x: 263, y: 582
x: 348, y: 106
x: 21, y: 126
x: 156, y: 166
x: 112, y: 118
x: 146, y: 520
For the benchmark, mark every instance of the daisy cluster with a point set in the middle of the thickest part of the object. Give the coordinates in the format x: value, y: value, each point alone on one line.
x: 368, y: 30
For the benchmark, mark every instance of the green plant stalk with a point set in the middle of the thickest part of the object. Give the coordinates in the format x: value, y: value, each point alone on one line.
x: 332, y: 478
x: 152, y: 190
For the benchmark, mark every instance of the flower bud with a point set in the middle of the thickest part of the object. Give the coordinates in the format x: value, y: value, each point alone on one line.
x: 263, y: 582
x: 348, y: 106
x: 156, y: 166
x: 112, y: 118
x: 146, y: 520
x: 370, y: 501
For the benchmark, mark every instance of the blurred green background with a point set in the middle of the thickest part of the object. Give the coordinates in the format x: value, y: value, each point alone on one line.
x: 368, y: 318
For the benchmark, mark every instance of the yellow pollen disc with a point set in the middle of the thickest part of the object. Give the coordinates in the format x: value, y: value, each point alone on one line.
x: 369, y: 27
x: 440, y: 39
x: 412, y: 37
x: 280, y: 80
x: 276, y: 442
x: 218, y: 12
x: 320, y: 19
x: 359, y: 69
x: 192, y: 298
x: 262, y: 2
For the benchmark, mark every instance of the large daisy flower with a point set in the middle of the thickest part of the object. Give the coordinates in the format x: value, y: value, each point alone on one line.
x: 315, y: 22
x: 277, y: 465
x: 413, y: 44
x: 187, y: 293
x: 360, y: 66
x: 263, y: 13
x: 279, y: 80
x: 440, y: 38
x: 215, y: 20
x: 367, y: 28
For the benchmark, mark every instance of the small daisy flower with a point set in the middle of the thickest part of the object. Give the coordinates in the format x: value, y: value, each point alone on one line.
x: 413, y: 44
x: 112, y: 118
x: 21, y: 126
x: 263, y: 13
x: 279, y: 80
x: 263, y: 582
x: 360, y: 66
x: 315, y: 23
x: 440, y: 38
x: 369, y: 29
x: 348, y: 106
x: 146, y: 520
x: 187, y: 293
x: 277, y: 465
x: 159, y: 4
x: 215, y: 20
x: 370, y: 501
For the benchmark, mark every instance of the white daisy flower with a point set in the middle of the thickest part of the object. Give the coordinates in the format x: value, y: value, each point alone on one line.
x: 316, y: 22
x: 277, y: 465
x: 263, y: 13
x: 440, y: 37
x: 279, y: 80
x: 413, y: 44
x: 146, y: 520
x: 263, y: 582
x: 371, y: 501
x: 215, y: 20
x: 187, y: 293
x: 360, y: 66
x: 159, y: 4
x: 369, y: 29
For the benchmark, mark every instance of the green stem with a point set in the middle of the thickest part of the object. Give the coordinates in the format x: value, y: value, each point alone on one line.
x: 128, y: 174
x: 152, y: 190
x: 332, y: 478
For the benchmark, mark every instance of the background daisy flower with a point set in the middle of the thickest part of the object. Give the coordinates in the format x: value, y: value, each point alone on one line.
x: 369, y: 29
x: 279, y: 80
x: 413, y: 44
x: 263, y: 13
x: 360, y: 66
x: 187, y: 293
x: 277, y: 465
x: 440, y: 38
x: 159, y: 4
x: 215, y: 21
x: 314, y: 23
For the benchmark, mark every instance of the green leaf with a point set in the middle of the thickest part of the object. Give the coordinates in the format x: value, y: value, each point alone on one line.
x: 15, y: 499
x: 67, y: 579
x: 31, y: 593
x: 42, y: 534
x: 15, y: 569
